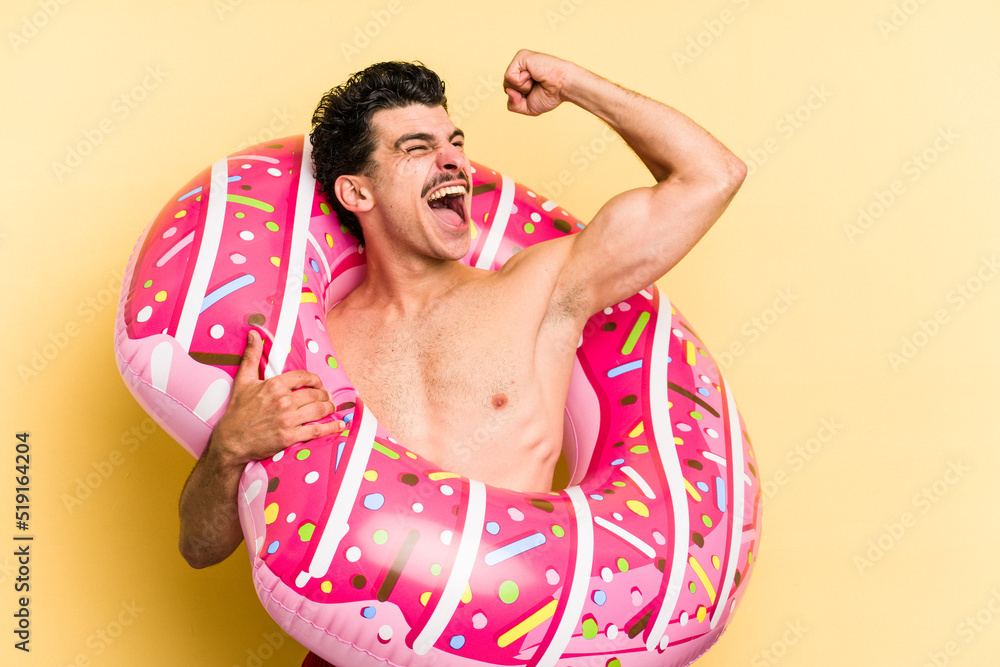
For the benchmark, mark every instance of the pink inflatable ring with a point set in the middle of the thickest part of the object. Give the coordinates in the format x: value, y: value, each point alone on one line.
x: 368, y: 554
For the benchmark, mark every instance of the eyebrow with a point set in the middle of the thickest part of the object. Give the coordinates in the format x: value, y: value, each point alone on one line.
x: 424, y: 136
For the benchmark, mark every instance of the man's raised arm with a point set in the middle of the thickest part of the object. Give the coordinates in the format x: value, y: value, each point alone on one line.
x: 640, y: 234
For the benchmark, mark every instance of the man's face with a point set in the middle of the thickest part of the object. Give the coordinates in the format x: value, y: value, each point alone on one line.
x: 422, y: 181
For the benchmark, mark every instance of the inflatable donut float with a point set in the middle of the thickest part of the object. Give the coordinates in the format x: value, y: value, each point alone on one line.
x: 367, y: 553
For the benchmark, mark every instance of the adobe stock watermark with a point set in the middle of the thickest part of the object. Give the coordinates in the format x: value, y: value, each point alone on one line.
x: 900, y: 15
x: 256, y: 657
x: 582, y: 159
x: 957, y: 298
x: 800, y: 456
x: 32, y: 24
x: 368, y: 32
x: 99, y: 641
x: 913, y: 170
x: 755, y: 327
x: 280, y: 120
x: 787, y: 127
x: 57, y: 341
x: 698, y: 43
x: 779, y: 648
x: 101, y: 470
x: 121, y: 108
x: 486, y: 87
x: 966, y: 630
x: 225, y: 7
x: 559, y: 14
x: 922, y: 502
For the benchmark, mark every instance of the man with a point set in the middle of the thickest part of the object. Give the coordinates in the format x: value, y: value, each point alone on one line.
x: 469, y: 368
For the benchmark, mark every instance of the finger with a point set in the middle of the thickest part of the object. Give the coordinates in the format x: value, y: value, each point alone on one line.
x: 297, y: 379
x: 315, y: 430
x: 247, y: 372
x: 313, y: 412
x: 309, y: 396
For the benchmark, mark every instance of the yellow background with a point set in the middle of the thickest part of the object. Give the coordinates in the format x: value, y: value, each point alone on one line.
x: 880, y: 531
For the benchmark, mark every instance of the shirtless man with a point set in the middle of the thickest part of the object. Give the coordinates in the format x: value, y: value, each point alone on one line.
x: 470, y: 368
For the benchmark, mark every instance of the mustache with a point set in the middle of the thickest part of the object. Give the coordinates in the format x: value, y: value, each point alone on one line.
x: 445, y: 178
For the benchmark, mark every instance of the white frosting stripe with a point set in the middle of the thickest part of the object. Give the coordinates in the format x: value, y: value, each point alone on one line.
x: 215, y: 213
x: 663, y: 433
x: 465, y: 559
x: 581, y: 579
x: 292, y: 298
x: 498, y: 225
x: 336, y: 524
x: 738, y: 498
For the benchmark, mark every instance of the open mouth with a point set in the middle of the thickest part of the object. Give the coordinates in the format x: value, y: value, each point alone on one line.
x: 448, y: 203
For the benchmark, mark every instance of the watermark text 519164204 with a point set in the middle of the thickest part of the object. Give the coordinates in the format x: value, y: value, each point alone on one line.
x: 22, y: 542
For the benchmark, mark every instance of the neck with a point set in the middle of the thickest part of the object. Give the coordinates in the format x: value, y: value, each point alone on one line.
x: 407, y: 284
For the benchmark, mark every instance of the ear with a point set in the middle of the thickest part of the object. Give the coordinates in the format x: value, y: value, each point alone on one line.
x: 354, y: 192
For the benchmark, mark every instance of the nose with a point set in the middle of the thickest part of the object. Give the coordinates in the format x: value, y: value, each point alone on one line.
x: 451, y: 158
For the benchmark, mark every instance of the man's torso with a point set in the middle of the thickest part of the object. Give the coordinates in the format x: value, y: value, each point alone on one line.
x: 476, y: 381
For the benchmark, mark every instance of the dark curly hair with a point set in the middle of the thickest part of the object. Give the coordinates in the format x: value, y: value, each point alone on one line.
x: 343, y: 138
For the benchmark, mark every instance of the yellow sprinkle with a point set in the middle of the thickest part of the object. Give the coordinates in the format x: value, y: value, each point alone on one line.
x: 180, y: 214
x: 161, y: 296
x: 437, y: 476
x: 276, y: 261
x: 326, y: 587
x: 637, y: 431
x: 371, y: 475
x: 638, y: 507
x: 424, y: 597
x: 329, y: 240
x: 528, y: 624
x: 691, y: 358
x: 467, y: 595
x: 694, y: 493
x: 678, y: 440
x: 700, y: 571
x: 411, y: 455
x: 475, y: 232
x: 271, y: 513
x: 702, y: 613
x: 715, y: 562
x: 309, y: 297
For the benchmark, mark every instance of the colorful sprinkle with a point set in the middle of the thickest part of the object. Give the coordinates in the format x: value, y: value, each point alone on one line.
x: 514, y: 549
x: 380, y: 537
x: 271, y: 513
x: 527, y: 625
x: 374, y: 501
x: 306, y: 531
x: 508, y: 592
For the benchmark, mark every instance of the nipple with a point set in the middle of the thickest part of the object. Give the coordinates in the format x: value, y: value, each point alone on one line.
x: 499, y: 401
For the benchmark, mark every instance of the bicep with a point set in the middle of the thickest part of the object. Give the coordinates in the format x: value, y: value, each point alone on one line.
x: 637, y: 237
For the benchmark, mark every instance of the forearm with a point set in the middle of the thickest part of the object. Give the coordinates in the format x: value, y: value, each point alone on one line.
x: 669, y: 143
x: 210, y: 526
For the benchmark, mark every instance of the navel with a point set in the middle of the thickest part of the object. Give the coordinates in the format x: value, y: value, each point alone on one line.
x: 499, y: 401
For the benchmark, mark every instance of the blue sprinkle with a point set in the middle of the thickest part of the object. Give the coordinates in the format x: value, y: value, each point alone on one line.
x: 457, y: 642
x: 618, y: 462
x: 314, y: 265
x: 340, y: 451
x: 580, y: 225
x: 703, y: 487
x: 600, y: 597
x: 492, y: 527
x: 188, y: 194
x: 272, y: 547
x: 631, y: 366
x: 368, y: 612
x: 669, y: 359
x: 596, y: 496
x: 374, y: 501
x: 720, y: 494
x: 349, y: 417
x: 703, y: 391
x: 234, y: 178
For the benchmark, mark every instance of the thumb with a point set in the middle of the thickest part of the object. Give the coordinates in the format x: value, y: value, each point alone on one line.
x: 247, y: 371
